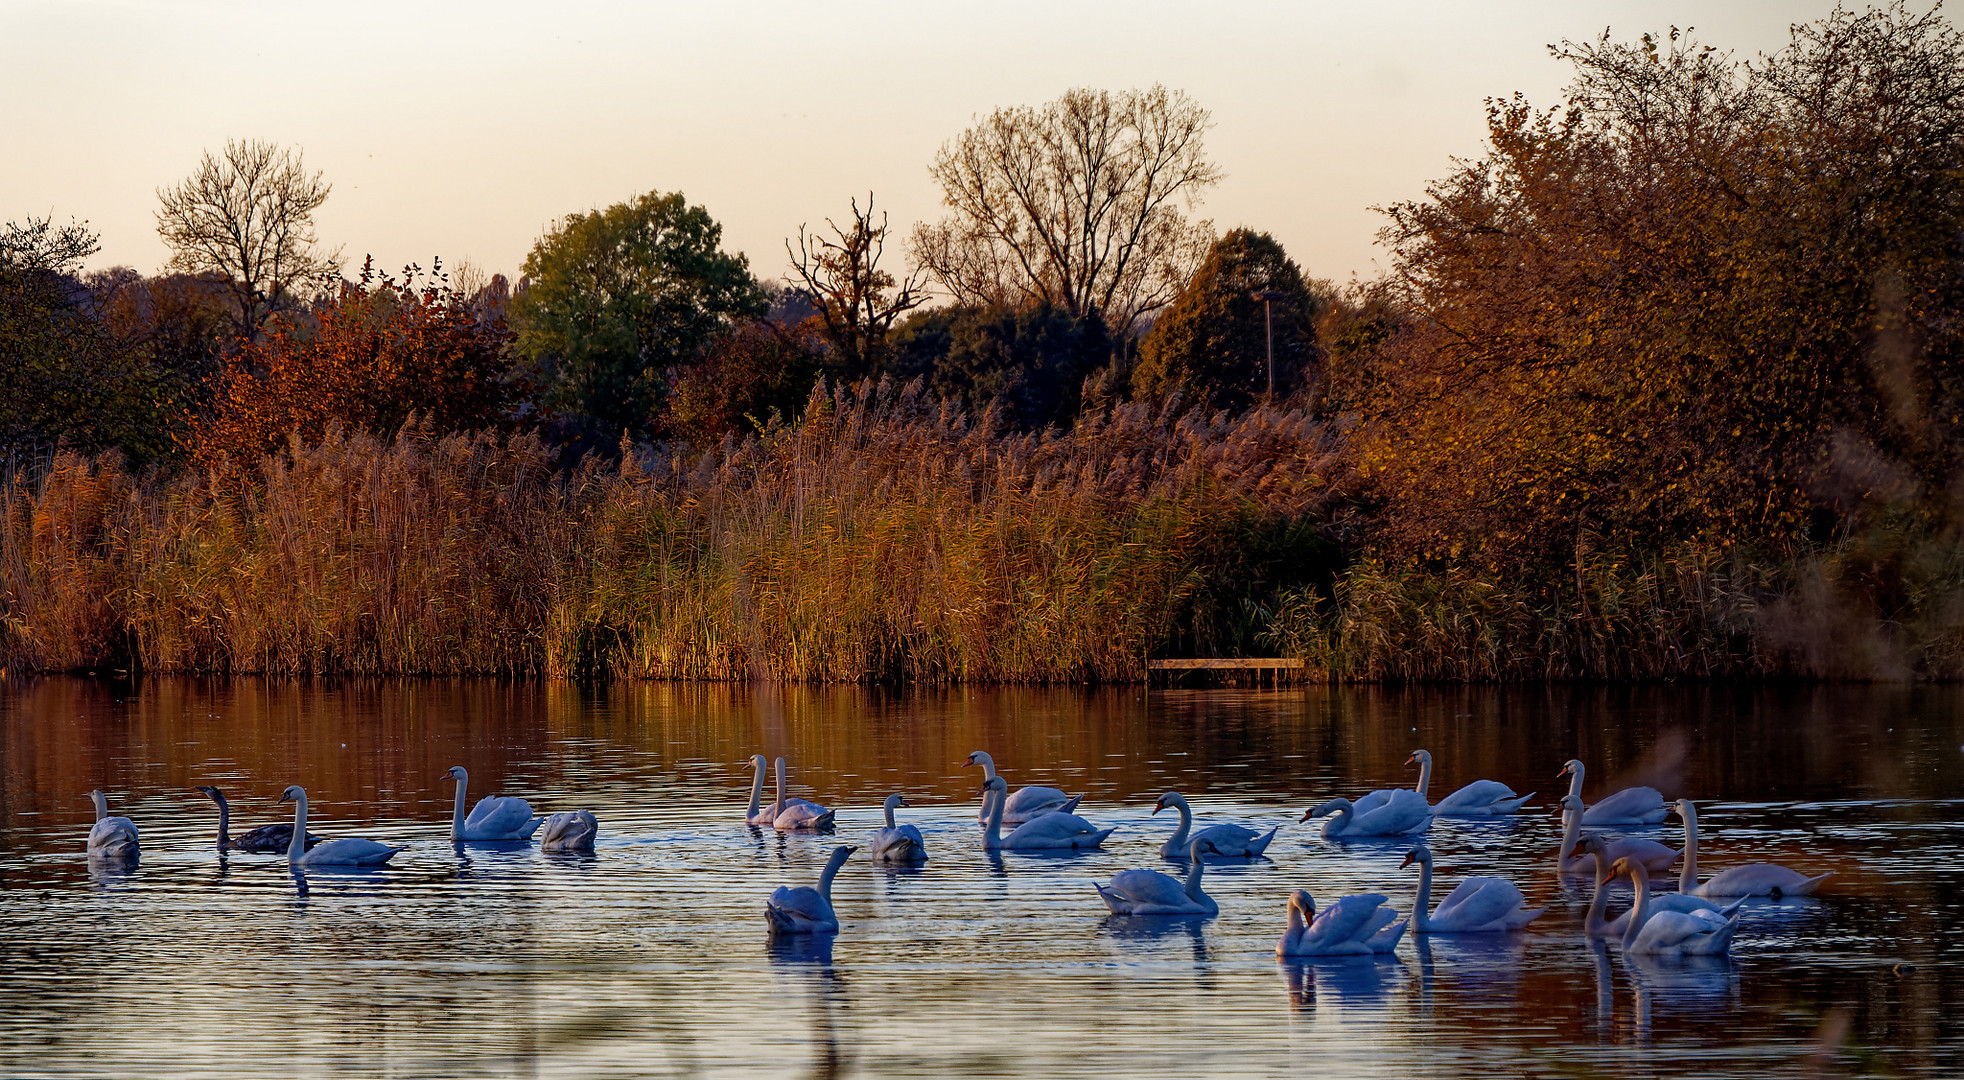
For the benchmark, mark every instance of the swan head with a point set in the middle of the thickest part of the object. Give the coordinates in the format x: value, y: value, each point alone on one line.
x: 1617, y: 869
x: 757, y: 761
x: 1419, y: 757
x: 997, y: 784
x: 1591, y: 844
x: 1332, y: 807
x: 211, y: 793
x: 1171, y: 798
x: 1303, y: 902
x: 1684, y: 809
x: 1570, y: 767
x: 1569, y: 803
x: 1420, y: 854
x: 293, y: 793
x: 897, y: 800
x: 977, y: 758
x: 455, y: 772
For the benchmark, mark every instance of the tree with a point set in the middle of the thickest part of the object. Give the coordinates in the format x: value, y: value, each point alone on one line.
x: 248, y: 216
x: 1075, y: 205
x: 370, y: 358
x: 613, y: 299
x: 856, y: 302
x: 1697, y: 301
x: 742, y: 377
x: 1030, y: 361
x: 1212, y: 343
x: 65, y: 380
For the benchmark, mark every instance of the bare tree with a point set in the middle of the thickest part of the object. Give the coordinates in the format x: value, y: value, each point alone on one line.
x: 855, y: 298
x: 1078, y: 204
x: 248, y: 215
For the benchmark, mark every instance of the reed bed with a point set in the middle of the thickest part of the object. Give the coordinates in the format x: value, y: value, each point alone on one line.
x: 880, y: 536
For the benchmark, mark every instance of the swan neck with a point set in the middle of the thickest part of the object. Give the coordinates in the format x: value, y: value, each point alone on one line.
x: 988, y: 767
x: 1194, y: 870
x: 1425, y: 774
x: 997, y: 796
x: 1575, y: 780
x: 1640, y: 881
x: 1186, y: 823
x: 1571, y: 834
x: 1593, y: 922
x: 756, y: 787
x: 224, y: 824
x: 1422, y: 910
x: 838, y: 859
x: 297, y: 846
x: 1688, y: 874
x: 778, y: 806
x: 890, y: 823
x: 457, y: 808
x: 101, y: 804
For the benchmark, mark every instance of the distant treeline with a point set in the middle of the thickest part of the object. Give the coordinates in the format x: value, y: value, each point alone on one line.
x: 1664, y: 384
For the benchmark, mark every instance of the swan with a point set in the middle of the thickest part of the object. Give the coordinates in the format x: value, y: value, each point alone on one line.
x: 1655, y: 856
x: 1227, y: 841
x: 805, y: 910
x: 1595, y: 925
x: 758, y: 814
x: 111, y: 839
x: 1630, y: 806
x: 1403, y: 811
x: 1752, y: 879
x: 898, y: 843
x: 1480, y: 905
x: 266, y: 839
x: 347, y: 851
x: 1149, y: 892
x: 1353, y: 926
x: 1673, y: 933
x: 1481, y: 798
x: 1027, y: 803
x: 797, y: 813
x: 495, y: 817
x: 1052, y: 831
x: 573, y: 830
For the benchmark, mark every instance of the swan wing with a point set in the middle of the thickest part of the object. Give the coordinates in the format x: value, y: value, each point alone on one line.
x: 1033, y: 800
x: 114, y: 838
x: 1130, y: 890
x: 274, y: 839
x: 1477, y: 799
x: 902, y: 843
x: 1631, y: 806
x: 571, y: 831
x: 1387, y: 939
x: 348, y: 851
x: 803, y: 815
x: 1056, y: 826
x: 499, y: 817
x: 1406, y: 811
x: 1655, y: 856
x: 1371, y: 802
x: 1350, y: 919
x: 1680, y: 931
x: 1761, y: 879
x: 800, y: 910
x: 1232, y: 841
x: 1485, y: 907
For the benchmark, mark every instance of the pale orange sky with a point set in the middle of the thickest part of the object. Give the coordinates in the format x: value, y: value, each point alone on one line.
x: 462, y: 130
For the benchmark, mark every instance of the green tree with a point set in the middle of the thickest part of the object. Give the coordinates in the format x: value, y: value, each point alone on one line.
x: 1212, y: 343
x: 1031, y: 361
x: 615, y: 298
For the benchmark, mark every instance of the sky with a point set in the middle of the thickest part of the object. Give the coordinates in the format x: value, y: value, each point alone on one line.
x: 463, y: 131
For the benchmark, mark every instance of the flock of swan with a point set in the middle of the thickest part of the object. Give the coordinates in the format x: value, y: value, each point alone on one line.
x: 1693, y: 920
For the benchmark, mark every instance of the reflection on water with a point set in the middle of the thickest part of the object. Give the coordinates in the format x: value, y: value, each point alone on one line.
x: 649, y: 956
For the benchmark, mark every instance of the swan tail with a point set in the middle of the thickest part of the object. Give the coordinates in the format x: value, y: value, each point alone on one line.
x: 1734, y: 906
x: 1803, y: 888
x: 1092, y: 840
x: 1509, y: 806
x: 527, y: 831
x: 1260, y: 844
x: 1522, y: 918
x: 1070, y: 805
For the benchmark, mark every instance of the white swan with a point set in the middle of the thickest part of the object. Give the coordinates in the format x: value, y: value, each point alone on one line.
x: 111, y: 839
x: 1630, y: 806
x: 1053, y: 831
x: 1403, y: 811
x: 574, y: 830
x: 1481, y: 798
x: 1353, y: 926
x: 1752, y: 879
x: 347, y: 851
x: 1026, y: 803
x: 805, y: 910
x: 759, y: 814
x: 1593, y: 922
x: 1149, y: 892
x: 266, y: 839
x: 898, y: 843
x: 495, y: 817
x: 795, y: 813
x: 1655, y: 856
x: 1480, y: 905
x: 1227, y: 841
x: 1670, y: 933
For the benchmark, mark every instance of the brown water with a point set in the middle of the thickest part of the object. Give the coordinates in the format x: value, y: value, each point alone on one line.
x: 649, y: 958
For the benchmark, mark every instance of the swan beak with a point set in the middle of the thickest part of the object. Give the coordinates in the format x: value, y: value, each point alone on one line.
x: 1307, y: 814
x: 1157, y: 807
x: 1409, y: 860
x: 284, y: 797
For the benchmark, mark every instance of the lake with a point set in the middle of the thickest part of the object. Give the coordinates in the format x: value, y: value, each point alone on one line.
x: 650, y: 957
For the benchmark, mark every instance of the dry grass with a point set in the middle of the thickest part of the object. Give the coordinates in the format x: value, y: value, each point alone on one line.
x: 883, y: 536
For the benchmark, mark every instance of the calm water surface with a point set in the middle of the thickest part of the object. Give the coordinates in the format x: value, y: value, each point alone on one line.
x: 649, y: 958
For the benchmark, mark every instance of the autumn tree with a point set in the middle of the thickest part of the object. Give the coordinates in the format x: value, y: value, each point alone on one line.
x: 1212, y: 344
x: 857, y: 301
x: 741, y: 378
x: 382, y: 350
x: 1029, y: 361
x: 247, y: 216
x: 1078, y: 205
x: 613, y: 299
x: 1698, y: 300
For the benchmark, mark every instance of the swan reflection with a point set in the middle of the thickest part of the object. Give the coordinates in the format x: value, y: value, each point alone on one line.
x: 1361, y: 981
x: 806, y: 959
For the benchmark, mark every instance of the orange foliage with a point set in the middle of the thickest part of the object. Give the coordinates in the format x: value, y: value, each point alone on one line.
x: 370, y: 358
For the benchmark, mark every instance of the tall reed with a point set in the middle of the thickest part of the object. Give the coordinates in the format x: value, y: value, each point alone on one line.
x: 881, y: 536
